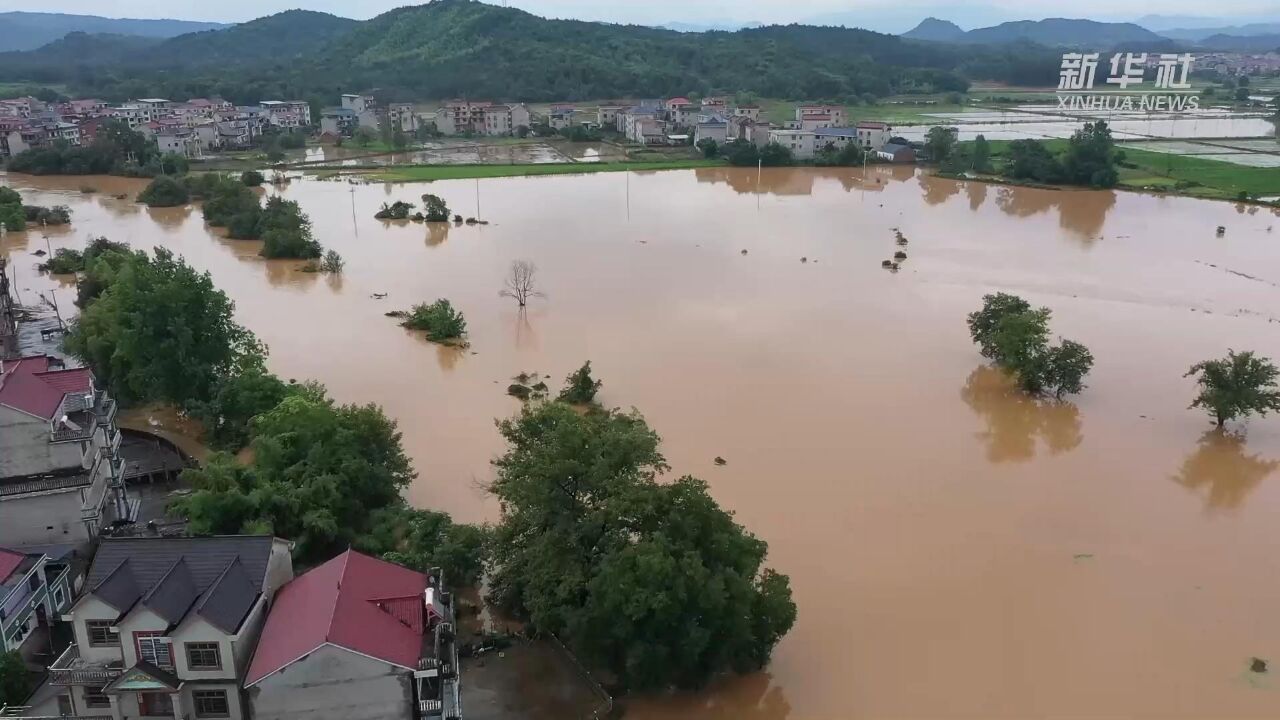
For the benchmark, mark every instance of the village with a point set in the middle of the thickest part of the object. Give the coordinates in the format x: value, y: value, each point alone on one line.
x: 201, y: 127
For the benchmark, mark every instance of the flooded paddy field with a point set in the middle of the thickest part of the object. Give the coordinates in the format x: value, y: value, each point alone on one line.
x: 1046, y: 122
x: 956, y: 549
x: 467, y: 153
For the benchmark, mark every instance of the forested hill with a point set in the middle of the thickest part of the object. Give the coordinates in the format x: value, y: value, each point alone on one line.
x: 464, y: 48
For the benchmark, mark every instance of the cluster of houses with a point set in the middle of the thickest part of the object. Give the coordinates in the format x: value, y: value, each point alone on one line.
x: 188, y: 128
x: 127, y: 623
x: 678, y: 121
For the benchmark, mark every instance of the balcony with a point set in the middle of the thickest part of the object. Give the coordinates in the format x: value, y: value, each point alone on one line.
x: 71, y: 669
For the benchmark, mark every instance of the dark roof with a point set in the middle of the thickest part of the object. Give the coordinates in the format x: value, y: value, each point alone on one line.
x: 894, y: 147
x: 219, y: 577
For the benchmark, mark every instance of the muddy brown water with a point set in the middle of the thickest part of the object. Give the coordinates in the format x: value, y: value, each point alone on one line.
x: 955, y: 549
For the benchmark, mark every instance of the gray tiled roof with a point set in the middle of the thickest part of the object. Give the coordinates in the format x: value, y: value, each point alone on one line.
x: 220, y: 577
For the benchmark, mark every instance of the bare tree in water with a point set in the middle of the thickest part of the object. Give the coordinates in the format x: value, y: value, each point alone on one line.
x: 520, y: 282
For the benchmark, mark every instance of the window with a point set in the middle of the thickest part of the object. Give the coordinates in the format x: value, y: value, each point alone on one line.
x: 95, y: 698
x: 100, y: 634
x: 155, y: 704
x: 153, y: 647
x: 204, y: 656
x: 58, y: 596
x: 211, y: 703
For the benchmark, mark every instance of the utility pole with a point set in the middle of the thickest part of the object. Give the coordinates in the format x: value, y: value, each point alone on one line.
x: 477, y: 198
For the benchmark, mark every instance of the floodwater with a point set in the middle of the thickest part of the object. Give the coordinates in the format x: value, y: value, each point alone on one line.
x: 956, y: 549
x: 1041, y: 123
x: 468, y: 152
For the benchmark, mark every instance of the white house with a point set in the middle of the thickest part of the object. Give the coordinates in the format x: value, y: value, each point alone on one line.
x: 167, y: 626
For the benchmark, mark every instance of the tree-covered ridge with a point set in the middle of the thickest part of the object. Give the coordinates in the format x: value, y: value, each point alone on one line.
x: 462, y: 48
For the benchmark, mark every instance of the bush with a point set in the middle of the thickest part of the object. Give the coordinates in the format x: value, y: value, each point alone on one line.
x: 64, y: 262
x: 435, y: 208
x: 12, y: 216
x: 39, y: 215
x: 252, y: 178
x: 165, y: 191
x: 395, y: 211
x: 580, y: 388
x: 332, y: 263
x: 286, y: 231
x: 440, y: 321
x: 709, y: 147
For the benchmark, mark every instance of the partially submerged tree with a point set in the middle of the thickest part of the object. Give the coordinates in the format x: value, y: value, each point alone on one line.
x: 1236, y: 386
x: 164, y: 191
x: 580, y: 388
x: 521, y: 282
x: 434, y: 208
x: 652, y: 582
x: 399, y: 210
x: 252, y: 178
x: 1016, y: 337
x: 439, y: 319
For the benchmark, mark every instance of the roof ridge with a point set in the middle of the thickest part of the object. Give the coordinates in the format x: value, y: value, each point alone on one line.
x: 208, y: 592
x: 156, y: 585
x: 337, y: 596
x: 110, y: 575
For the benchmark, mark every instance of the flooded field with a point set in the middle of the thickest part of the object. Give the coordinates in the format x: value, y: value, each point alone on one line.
x: 1045, y: 122
x: 956, y: 549
x: 469, y: 153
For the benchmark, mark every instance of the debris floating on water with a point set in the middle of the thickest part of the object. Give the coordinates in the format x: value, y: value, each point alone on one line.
x: 1258, y: 665
x: 721, y: 461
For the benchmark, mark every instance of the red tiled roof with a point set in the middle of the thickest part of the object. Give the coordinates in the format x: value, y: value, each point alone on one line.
x: 27, y: 384
x: 9, y: 561
x: 353, y: 601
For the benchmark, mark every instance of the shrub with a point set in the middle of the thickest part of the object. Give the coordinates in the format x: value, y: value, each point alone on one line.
x: 165, y: 191
x: 435, y: 208
x: 396, y: 211
x: 440, y: 321
x: 252, y: 178
x: 332, y: 263
x: 580, y: 388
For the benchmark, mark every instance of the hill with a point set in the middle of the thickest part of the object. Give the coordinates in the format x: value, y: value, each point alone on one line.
x: 1242, y: 43
x: 936, y: 30
x: 28, y: 30
x: 452, y: 48
x: 1198, y: 34
x: 1052, y: 32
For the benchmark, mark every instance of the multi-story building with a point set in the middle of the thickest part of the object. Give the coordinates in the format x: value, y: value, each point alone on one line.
x: 133, y: 114
x: 61, y: 475
x: 180, y: 141
x: 801, y: 143
x: 156, y: 107
x: 287, y: 113
x: 166, y: 627
x: 36, y: 587
x: 607, y: 115
x: 365, y: 108
x: 358, y: 638
x: 561, y: 116
x: 403, y: 117
x: 339, y: 122
x: 462, y: 116
x: 835, y: 116
x: 747, y: 111
x: 713, y: 128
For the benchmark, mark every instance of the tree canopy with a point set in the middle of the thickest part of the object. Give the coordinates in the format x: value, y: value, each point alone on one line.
x: 654, y: 582
x: 159, y: 330
x: 1016, y: 336
x: 1236, y: 386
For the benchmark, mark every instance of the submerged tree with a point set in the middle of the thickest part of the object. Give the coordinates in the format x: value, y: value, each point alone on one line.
x: 439, y: 319
x: 520, y: 283
x: 1236, y: 386
x: 580, y: 388
x: 1016, y: 337
x: 434, y: 208
x: 652, y: 582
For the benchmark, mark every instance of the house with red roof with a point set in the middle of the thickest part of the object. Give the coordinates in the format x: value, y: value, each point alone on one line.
x: 357, y: 638
x: 61, y: 475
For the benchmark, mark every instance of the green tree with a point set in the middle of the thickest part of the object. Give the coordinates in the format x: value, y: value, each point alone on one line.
x: 1242, y: 94
x: 1062, y: 368
x: 235, y: 401
x: 1090, y: 157
x: 984, y: 323
x: 439, y: 319
x: 252, y: 178
x: 1236, y: 386
x: 1020, y: 340
x: 319, y: 473
x: 580, y: 388
x: 981, y: 160
x: 12, y: 216
x: 775, y: 155
x: 939, y: 142
x: 161, y: 331
x: 653, y: 582
x: 434, y: 208
x: 709, y: 147
x: 15, y: 681
x: 286, y: 231
x: 1031, y: 160
x: 1016, y: 337
x: 164, y: 191
x: 742, y: 153
x: 425, y: 539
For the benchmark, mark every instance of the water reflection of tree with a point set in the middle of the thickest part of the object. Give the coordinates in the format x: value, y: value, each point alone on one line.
x: 977, y: 193
x: 1082, y: 212
x: 936, y: 189
x: 1015, y: 420
x: 1220, y: 469
x: 437, y: 233
x: 169, y: 217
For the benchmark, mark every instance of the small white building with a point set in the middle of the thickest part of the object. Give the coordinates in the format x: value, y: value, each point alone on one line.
x: 802, y: 143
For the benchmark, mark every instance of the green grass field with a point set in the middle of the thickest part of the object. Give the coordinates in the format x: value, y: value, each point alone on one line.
x: 420, y: 173
x: 1199, y: 177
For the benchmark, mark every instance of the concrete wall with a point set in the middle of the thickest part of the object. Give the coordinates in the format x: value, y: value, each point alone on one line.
x: 334, y: 684
x: 25, y: 448
x: 196, y: 630
x: 51, y: 517
x: 91, y: 608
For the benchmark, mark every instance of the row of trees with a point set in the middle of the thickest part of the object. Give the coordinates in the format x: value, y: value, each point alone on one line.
x: 115, y: 150
x: 1016, y: 336
x: 651, y: 581
x: 16, y: 216
x: 1090, y: 158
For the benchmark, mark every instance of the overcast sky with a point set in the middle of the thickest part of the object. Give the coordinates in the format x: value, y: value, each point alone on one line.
x: 876, y: 12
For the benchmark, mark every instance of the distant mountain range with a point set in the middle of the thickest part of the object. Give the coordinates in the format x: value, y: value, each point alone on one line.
x: 1255, y: 37
x: 28, y: 30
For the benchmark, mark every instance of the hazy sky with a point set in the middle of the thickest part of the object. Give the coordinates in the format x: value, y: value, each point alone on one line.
x: 877, y: 12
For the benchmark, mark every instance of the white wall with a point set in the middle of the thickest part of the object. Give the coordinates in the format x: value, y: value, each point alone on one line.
x: 25, y: 448
x: 91, y: 608
x: 334, y: 684
x: 52, y: 517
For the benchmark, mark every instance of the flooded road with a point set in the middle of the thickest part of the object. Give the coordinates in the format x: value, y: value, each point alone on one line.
x: 955, y: 548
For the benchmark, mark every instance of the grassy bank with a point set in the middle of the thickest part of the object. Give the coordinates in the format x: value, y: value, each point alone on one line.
x: 1177, y: 174
x: 418, y: 173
